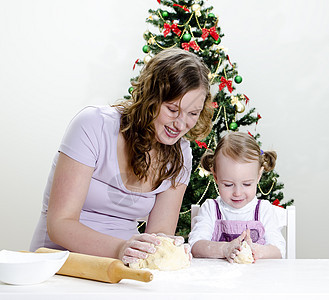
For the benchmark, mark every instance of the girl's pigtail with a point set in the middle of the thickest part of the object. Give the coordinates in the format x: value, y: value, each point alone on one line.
x: 207, y: 160
x: 269, y: 160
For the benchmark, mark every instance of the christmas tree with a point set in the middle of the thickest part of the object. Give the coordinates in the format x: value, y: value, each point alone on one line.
x: 192, y: 26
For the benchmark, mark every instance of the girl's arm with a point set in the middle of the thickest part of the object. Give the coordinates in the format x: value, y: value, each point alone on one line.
x: 265, y: 251
x: 69, y: 190
x: 211, y: 249
x: 262, y: 251
x: 275, y: 242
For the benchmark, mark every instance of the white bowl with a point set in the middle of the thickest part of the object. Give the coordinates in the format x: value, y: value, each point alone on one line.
x: 23, y: 268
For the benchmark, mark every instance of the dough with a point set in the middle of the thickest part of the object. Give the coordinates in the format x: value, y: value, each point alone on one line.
x: 245, y: 255
x: 167, y: 257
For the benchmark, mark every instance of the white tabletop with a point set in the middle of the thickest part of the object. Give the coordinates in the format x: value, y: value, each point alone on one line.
x: 208, y: 278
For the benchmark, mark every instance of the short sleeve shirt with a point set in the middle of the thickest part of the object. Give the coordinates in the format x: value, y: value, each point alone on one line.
x: 109, y: 208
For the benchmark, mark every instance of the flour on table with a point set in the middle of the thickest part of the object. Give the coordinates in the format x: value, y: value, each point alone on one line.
x: 168, y: 257
x: 245, y: 255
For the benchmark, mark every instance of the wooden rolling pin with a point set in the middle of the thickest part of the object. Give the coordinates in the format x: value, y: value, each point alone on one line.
x: 98, y: 268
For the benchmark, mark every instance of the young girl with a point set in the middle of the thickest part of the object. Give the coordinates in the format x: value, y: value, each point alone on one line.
x: 236, y: 215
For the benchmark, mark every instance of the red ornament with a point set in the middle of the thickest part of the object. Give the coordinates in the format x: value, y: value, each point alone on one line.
x: 214, y: 104
x: 159, y: 1
x: 227, y: 83
x: 247, y: 99
x: 135, y: 63
x: 201, y: 144
x: 276, y: 202
x: 212, y: 31
x: 258, y: 117
x: 193, y: 45
x: 181, y: 6
x: 228, y: 58
x: 172, y: 27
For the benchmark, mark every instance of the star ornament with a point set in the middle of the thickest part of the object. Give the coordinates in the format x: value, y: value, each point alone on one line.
x: 203, y: 172
x: 151, y: 41
x: 197, y: 9
x: 212, y: 76
x: 234, y: 100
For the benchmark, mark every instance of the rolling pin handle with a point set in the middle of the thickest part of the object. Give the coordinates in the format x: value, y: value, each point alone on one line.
x: 117, y: 271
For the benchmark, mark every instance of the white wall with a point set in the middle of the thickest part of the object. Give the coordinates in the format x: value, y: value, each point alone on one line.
x: 59, y: 56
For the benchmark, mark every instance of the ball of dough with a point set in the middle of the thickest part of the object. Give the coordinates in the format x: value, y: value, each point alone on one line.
x: 168, y: 257
x: 245, y: 256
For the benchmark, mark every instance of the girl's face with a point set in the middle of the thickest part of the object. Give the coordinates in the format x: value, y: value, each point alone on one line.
x: 237, y: 181
x: 177, y: 117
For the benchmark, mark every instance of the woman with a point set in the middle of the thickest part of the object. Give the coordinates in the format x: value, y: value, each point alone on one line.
x: 117, y: 164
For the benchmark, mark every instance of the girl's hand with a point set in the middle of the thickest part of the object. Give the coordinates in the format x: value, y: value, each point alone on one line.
x: 262, y: 251
x: 232, y: 249
x: 138, y: 247
x: 254, y: 247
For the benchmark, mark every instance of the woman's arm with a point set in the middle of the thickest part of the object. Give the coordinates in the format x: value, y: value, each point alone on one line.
x: 162, y: 220
x: 164, y: 215
x: 69, y: 190
x: 68, y: 193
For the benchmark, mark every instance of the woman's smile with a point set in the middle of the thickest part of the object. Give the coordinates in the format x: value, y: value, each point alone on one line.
x: 171, y: 132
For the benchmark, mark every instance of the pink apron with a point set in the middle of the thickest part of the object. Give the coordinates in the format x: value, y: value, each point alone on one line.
x: 226, y: 230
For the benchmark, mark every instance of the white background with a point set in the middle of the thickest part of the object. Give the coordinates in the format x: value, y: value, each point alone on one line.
x: 58, y: 56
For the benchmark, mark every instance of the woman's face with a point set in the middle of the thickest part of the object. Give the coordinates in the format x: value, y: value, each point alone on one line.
x: 177, y: 117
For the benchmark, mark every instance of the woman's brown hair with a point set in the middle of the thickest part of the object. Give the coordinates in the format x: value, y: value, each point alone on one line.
x: 167, y: 76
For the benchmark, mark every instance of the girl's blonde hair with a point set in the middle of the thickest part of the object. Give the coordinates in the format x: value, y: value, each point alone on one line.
x: 241, y: 147
x: 167, y: 76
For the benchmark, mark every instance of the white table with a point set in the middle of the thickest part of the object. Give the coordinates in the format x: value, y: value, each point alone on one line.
x: 204, y: 279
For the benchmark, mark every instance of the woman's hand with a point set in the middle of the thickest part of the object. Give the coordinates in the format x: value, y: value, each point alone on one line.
x: 138, y: 247
x: 179, y: 240
x: 232, y: 249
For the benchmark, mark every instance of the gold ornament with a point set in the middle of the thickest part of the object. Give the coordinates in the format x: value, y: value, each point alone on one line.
x: 216, y: 23
x: 238, y: 104
x: 203, y: 172
x: 145, y: 34
x: 151, y: 41
x: 197, y: 9
x: 234, y: 100
x: 218, y: 48
x: 239, y: 107
x: 147, y: 58
x: 211, y: 76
